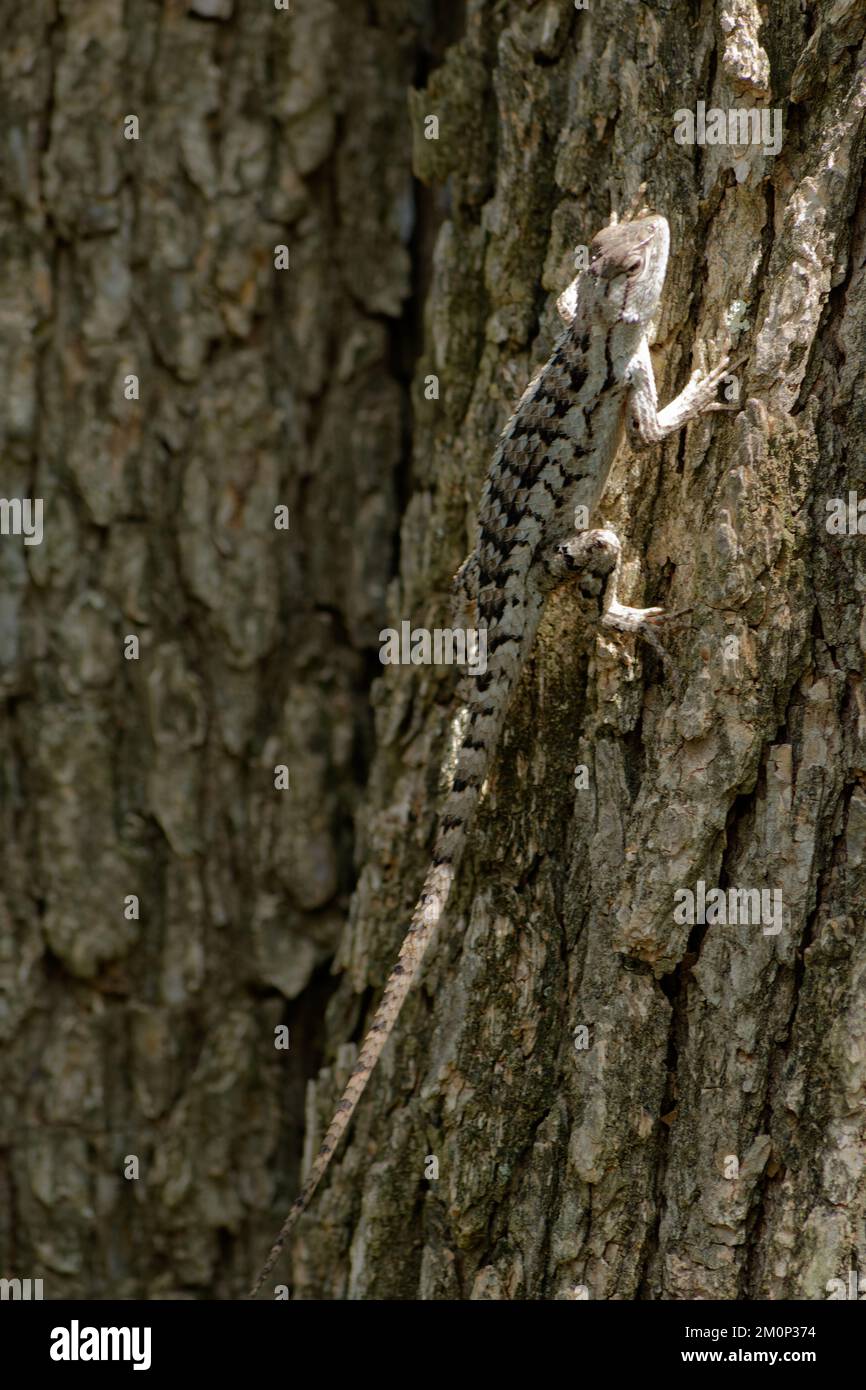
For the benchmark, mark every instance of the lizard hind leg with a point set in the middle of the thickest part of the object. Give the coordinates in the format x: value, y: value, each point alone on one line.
x: 594, y: 558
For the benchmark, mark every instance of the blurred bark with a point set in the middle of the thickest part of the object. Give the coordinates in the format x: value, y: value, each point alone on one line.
x: 560, y: 1167
x: 258, y: 388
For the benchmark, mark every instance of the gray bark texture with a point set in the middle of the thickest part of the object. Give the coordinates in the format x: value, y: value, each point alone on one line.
x: 618, y: 1105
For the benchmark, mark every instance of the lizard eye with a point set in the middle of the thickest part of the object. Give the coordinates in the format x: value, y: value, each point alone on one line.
x: 633, y: 265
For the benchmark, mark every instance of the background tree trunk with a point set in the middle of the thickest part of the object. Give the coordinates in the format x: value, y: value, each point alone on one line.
x: 610, y: 1166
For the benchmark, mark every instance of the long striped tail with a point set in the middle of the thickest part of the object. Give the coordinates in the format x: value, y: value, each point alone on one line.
x: 417, y: 939
x: 426, y: 918
x: 450, y: 839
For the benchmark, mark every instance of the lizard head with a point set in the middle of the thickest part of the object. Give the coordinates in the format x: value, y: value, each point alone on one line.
x: 627, y: 268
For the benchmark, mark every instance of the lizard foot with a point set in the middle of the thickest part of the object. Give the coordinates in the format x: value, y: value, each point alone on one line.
x: 645, y: 622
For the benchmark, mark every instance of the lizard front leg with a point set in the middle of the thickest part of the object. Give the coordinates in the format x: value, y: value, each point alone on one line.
x: 645, y: 423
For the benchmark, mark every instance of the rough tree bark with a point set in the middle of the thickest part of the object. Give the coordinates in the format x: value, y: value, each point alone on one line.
x: 606, y: 1167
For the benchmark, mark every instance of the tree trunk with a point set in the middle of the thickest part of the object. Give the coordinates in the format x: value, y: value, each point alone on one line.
x: 147, y: 1032
x: 589, y: 1094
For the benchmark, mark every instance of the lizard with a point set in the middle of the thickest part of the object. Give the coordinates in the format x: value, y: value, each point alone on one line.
x: 553, y: 455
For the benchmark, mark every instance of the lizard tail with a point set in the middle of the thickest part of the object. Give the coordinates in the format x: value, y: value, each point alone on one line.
x: 450, y: 839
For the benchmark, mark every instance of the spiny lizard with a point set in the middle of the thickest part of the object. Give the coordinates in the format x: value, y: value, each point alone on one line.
x: 554, y: 455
